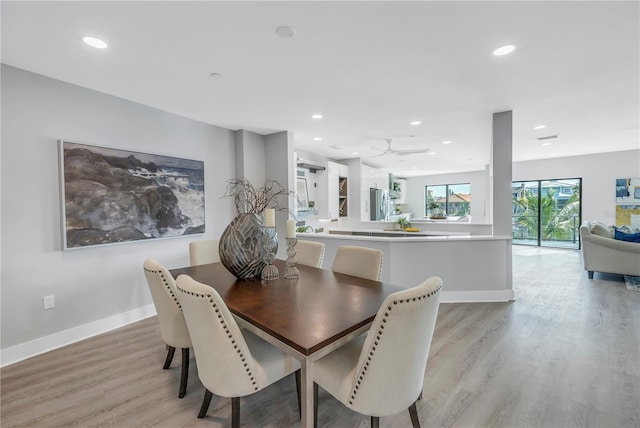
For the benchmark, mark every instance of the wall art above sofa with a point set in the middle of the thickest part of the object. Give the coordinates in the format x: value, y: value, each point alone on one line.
x: 628, y: 202
x: 113, y: 196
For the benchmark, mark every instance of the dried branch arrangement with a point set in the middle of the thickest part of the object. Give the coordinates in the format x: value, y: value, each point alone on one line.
x: 250, y: 199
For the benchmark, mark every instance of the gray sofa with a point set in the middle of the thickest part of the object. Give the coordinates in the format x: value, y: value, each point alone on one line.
x: 602, y: 253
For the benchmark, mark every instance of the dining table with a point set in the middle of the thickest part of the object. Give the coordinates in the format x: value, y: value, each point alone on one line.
x: 306, y: 317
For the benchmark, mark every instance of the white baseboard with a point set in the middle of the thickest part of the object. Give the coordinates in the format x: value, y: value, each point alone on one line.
x: 57, y: 340
x: 477, y: 296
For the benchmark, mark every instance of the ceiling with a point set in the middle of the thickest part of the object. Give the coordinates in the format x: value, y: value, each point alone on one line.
x: 369, y: 67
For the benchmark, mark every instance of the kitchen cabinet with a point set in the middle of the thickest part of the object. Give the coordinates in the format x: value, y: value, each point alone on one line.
x: 338, y: 190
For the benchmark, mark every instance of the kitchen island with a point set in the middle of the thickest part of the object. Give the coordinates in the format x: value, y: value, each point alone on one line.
x: 430, y: 225
x: 473, y: 268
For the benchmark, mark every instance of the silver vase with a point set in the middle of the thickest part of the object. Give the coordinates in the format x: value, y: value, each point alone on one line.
x: 242, y: 245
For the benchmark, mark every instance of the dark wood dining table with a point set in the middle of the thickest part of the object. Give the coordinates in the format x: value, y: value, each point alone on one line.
x: 307, y: 317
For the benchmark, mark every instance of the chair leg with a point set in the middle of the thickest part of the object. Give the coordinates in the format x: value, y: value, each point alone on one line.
x: 413, y: 412
x: 205, y: 404
x: 298, y: 391
x: 315, y: 405
x: 167, y: 362
x: 375, y: 422
x: 185, y: 372
x: 235, y: 412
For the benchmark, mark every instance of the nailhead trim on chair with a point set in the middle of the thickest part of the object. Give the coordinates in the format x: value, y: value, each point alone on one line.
x: 381, y: 264
x: 362, y: 373
x: 321, y: 258
x: 166, y: 284
x: 226, y: 330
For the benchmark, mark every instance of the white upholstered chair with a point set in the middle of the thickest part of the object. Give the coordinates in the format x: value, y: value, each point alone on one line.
x: 204, y: 252
x: 231, y: 362
x: 310, y: 253
x: 362, y: 262
x: 173, y: 328
x: 382, y: 373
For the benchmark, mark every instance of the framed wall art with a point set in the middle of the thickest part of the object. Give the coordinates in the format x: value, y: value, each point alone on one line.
x: 113, y: 196
x: 302, y: 194
x: 628, y: 202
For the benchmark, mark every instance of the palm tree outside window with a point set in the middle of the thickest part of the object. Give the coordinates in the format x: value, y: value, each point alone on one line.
x: 547, y: 212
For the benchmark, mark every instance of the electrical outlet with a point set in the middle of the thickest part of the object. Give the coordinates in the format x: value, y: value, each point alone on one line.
x: 48, y: 302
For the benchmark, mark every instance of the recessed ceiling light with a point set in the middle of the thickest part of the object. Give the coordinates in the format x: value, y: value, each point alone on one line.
x: 432, y: 153
x: 504, y: 50
x: 316, y: 116
x: 546, y: 144
x: 354, y: 153
x: 415, y: 123
x: 317, y: 138
x: 447, y: 142
x: 95, y: 42
x: 539, y: 127
x: 285, y: 32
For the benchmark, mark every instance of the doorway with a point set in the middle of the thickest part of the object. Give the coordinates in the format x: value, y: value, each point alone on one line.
x: 547, y: 213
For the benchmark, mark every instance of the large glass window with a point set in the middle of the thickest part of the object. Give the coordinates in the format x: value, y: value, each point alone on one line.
x: 547, y: 212
x: 447, y: 200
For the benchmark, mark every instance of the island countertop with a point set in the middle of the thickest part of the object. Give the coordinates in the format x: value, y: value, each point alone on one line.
x: 398, y: 235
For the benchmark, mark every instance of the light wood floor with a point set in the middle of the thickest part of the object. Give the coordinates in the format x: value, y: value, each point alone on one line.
x: 566, y: 353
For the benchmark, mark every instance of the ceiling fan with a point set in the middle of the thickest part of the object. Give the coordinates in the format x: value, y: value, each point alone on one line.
x: 390, y: 151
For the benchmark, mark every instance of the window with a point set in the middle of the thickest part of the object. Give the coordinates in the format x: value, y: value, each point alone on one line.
x: 448, y: 200
x: 551, y: 219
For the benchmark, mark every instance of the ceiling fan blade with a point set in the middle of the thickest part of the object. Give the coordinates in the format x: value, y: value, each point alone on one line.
x: 377, y: 156
x: 410, y: 152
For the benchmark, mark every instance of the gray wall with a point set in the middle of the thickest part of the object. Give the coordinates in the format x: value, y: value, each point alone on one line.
x: 92, y: 283
x: 250, y: 156
x: 501, y: 171
x: 279, y: 161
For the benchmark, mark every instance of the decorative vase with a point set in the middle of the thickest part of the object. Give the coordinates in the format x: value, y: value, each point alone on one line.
x: 242, y: 245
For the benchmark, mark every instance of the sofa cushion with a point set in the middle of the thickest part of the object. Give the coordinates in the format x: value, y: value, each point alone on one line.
x: 601, y: 229
x: 628, y: 237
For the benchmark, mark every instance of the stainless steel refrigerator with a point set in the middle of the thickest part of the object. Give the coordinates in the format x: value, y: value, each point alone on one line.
x: 379, y: 204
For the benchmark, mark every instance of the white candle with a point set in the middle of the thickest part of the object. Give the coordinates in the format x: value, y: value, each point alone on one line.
x: 270, y: 217
x: 291, y: 228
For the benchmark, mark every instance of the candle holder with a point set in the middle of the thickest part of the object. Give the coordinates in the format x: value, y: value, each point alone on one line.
x: 291, y: 271
x: 269, y: 244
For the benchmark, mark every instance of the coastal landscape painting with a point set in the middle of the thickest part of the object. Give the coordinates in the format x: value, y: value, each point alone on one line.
x: 114, y: 196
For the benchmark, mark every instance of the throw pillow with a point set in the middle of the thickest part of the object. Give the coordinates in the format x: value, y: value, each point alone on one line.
x: 628, y: 237
x: 627, y: 229
x: 601, y: 230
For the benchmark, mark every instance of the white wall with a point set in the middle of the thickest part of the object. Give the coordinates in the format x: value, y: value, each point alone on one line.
x: 598, y: 173
x: 479, y: 192
x: 89, y: 284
